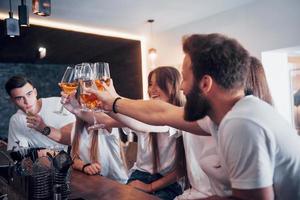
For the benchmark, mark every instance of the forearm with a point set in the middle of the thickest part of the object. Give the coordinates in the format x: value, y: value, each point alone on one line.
x: 266, y: 193
x: 85, y: 116
x: 220, y: 198
x: 158, y: 113
x: 146, y: 111
x: 168, y: 179
x: 59, y: 137
x: 62, y: 135
x: 137, y: 125
x: 78, y: 164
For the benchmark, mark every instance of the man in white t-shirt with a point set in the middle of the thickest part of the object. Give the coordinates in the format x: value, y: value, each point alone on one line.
x: 35, y: 122
x: 258, y: 149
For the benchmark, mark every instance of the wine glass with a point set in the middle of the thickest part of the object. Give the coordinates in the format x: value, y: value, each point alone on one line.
x: 89, y: 102
x: 29, y: 113
x: 102, y: 74
x: 68, y: 84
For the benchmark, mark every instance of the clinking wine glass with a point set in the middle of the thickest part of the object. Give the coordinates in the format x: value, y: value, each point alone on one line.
x: 89, y: 102
x: 68, y: 84
x: 86, y: 77
x: 102, y: 74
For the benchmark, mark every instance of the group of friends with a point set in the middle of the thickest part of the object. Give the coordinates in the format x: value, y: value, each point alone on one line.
x: 222, y: 133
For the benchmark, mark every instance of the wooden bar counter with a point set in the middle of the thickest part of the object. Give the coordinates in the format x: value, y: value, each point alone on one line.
x: 98, y: 187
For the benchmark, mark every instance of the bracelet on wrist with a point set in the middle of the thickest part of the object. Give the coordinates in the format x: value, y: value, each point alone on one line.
x: 84, y: 166
x: 114, y: 104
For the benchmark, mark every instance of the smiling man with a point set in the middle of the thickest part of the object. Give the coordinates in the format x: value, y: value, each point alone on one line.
x: 35, y: 122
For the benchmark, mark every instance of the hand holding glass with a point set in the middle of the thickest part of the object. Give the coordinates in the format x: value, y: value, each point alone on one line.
x: 68, y: 84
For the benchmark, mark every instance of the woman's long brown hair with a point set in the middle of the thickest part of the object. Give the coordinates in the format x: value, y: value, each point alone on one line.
x: 94, y: 152
x: 168, y: 80
x: 256, y: 83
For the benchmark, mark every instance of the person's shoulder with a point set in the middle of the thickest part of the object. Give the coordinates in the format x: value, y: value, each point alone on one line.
x: 252, y: 109
x: 50, y: 99
x: 17, y: 116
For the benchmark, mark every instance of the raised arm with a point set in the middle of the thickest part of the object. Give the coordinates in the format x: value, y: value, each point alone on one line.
x: 154, y: 112
x: 61, y: 135
x: 157, y: 113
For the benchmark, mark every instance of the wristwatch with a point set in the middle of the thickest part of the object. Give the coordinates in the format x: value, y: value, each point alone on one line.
x: 46, y: 131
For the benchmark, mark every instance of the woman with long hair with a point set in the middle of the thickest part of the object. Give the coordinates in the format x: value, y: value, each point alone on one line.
x: 160, y: 154
x: 98, y: 153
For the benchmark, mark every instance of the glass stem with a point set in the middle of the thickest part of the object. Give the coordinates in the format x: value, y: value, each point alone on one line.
x: 61, y: 109
x: 94, y: 118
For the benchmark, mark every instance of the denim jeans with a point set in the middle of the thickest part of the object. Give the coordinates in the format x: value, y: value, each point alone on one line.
x: 167, y: 193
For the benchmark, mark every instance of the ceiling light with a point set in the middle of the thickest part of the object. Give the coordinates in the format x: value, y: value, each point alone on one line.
x: 152, y: 52
x: 12, y: 28
x: 23, y: 14
x: 41, y: 7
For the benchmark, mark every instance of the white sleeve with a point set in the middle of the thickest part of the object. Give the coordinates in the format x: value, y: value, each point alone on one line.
x: 247, y: 153
x: 204, y: 124
x: 16, y: 133
x: 140, y: 126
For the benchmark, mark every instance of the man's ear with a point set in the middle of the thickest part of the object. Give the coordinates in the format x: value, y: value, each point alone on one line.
x: 205, y: 84
x: 35, y: 92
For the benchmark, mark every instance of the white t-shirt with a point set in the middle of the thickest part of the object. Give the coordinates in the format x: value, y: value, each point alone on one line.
x: 196, y: 148
x: 109, y: 154
x: 258, y: 149
x: 167, y: 151
x: 18, y: 130
x: 211, y: 164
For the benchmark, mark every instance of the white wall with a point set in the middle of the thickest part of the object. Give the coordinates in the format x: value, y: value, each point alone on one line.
x: 259, y: 26
x: 278, y: 70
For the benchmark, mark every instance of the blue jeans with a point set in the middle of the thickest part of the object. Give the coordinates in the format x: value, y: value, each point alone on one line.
x: 167, y: 193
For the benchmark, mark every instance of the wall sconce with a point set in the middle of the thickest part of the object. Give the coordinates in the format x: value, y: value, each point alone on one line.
x: 23, y: 14
x: 42, y: 52
x: 12, y: 28
x: 152, y: 52
x: 41, y: 7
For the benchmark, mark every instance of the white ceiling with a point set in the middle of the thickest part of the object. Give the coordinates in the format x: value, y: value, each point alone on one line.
x: 130, y: 16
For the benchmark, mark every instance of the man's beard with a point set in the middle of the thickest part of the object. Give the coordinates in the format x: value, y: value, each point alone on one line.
x: 197, y: 106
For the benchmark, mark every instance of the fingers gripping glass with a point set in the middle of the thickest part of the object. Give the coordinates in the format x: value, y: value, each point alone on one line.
x: 68, y: 84
x: 102, y: 74
x: 88, y: 101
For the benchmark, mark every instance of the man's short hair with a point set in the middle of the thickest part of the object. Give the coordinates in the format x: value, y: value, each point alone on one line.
x: 223, y: 58
x: 16, y: 82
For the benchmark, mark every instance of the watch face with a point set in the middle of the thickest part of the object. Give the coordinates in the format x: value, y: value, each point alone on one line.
x: 46, y: 131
